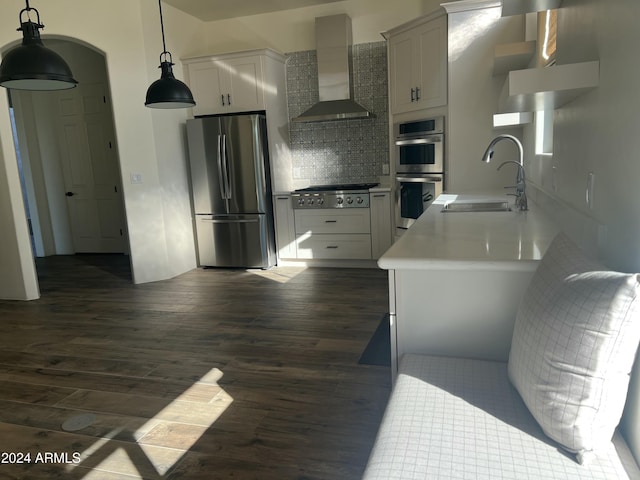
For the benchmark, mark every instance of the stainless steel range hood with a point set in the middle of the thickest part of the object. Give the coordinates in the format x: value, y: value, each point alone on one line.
x: 335, y: 78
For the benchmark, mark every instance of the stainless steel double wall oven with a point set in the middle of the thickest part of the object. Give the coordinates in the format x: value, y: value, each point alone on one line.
x: 419, y: 164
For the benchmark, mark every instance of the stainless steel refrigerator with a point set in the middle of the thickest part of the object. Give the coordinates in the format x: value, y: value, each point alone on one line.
x: 231, y: 189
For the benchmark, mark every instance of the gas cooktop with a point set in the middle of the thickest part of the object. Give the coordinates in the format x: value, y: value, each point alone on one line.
x: 340, y: 187
x: 347, y: 195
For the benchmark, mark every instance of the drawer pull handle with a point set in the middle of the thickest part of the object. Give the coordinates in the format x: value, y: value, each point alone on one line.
x: 332, y: 246
x: 330, y: 221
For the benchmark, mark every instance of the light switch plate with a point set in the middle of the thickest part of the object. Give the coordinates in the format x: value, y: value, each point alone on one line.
x: 136, y: 178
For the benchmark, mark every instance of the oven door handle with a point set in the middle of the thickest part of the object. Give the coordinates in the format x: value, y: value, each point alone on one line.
x: 419, y: 141
x: 418, y: 179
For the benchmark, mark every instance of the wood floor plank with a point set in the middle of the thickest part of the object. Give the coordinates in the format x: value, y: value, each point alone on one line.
x: 248, y: 374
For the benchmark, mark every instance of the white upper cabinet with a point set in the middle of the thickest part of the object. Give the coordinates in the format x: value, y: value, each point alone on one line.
x: 418, y: 64
x: 226, y: 83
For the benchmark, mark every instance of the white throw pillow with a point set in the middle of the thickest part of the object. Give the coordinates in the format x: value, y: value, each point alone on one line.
x: 574, y: 344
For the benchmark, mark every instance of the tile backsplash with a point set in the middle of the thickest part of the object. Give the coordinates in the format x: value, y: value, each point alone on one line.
x: 340, y: 151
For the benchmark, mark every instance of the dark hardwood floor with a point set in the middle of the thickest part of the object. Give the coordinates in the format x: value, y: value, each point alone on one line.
x: 216, y: 374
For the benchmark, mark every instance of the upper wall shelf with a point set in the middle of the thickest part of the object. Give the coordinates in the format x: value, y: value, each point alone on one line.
x: 518, y: 7
x: 548, y: 88
x: 517, y: 119
x: 513, y: 56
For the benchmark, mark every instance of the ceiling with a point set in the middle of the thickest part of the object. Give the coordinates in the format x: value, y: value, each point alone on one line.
x: 208, y: 10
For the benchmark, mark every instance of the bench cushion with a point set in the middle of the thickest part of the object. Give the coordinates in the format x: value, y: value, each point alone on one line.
x: 461, y: 418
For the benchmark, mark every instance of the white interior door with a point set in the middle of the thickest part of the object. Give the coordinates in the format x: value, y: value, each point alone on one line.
x: 91, y: 172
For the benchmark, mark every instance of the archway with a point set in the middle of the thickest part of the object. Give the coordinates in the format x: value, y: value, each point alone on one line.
x: 66, y: 146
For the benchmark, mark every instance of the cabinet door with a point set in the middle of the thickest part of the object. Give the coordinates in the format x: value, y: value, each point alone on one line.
x: 227, y: 85
x: 418, y: 67
x: 432, y: 63
x: 285, y: 228
x: 381, y: 231
x: 207, y: 80
x: 402, y: 68
x: 245, y: 89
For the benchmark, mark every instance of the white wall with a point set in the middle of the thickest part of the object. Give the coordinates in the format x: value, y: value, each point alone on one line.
x: 294, y: 30
x: 473, y: 99
x: 599, y: 132
x: 177, y: 233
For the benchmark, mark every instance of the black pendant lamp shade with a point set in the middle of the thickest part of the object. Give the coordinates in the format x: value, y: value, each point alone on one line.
x: 168, y: 92
x: 31, y: 65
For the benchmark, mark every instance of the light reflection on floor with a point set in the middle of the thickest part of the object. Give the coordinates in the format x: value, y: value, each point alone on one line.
x: 161, y: 441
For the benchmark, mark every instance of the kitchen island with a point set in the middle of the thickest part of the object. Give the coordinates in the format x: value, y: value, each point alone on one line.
x: 456, y: 278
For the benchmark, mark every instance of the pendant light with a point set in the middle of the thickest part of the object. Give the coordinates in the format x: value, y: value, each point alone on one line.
x: 32, y: 66
x: 168, y: 92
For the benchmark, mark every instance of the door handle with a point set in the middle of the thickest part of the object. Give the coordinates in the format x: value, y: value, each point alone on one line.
x: 69, y: 194
x: 223, y: 192
x: 214, y: 220
x: 418, y: 179
x: 225, y: 168
x: 428, y: 140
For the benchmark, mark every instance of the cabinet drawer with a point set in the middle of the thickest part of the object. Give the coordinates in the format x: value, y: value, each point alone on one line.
x: 343, y: 246
x: 353, y: 220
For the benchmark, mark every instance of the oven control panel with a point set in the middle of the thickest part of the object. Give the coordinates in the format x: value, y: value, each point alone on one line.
x: 357, y: 199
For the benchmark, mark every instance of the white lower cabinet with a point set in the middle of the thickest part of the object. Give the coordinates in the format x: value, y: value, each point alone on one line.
x: 285, y: 227
x: 381, y: 229
x: 333, y: 233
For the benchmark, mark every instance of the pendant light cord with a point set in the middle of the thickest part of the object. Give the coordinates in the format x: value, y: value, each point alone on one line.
x: 164, y: 46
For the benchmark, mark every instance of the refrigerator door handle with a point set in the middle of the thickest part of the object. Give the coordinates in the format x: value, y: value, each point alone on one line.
x: 225, y: 168
x: 220, y: 175
x: 217, y: 220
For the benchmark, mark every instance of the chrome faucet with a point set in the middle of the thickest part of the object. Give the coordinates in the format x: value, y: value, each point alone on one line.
x: 521, y: 194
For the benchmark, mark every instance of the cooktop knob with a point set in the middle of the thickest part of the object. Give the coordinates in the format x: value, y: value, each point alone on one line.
x: 320, y: 201
x: 359, y: 200
x: 339, y: 200
x: 349, y: 200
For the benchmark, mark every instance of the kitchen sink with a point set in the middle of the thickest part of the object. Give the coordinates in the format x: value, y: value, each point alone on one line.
x: 476, y: 207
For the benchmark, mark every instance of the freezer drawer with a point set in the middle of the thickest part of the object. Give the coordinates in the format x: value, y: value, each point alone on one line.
x: 234, y: 241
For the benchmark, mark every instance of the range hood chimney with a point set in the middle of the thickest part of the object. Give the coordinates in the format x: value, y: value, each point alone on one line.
x: 335, y: 78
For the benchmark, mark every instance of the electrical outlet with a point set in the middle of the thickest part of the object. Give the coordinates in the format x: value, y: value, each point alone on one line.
x: 385, y: 169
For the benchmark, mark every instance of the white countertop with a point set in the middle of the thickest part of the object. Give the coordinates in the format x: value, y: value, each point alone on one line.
x: 479, y: 240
